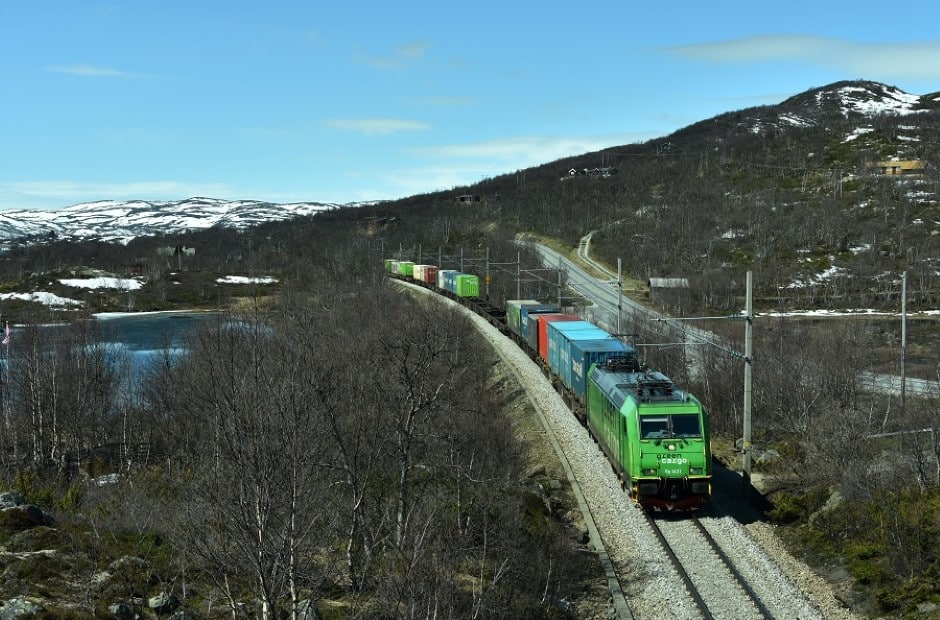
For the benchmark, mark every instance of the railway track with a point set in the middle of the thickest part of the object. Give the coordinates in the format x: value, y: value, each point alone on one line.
x: 690, y: 548
x: 727, y: 573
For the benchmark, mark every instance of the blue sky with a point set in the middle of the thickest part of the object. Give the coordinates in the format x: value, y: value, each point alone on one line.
x: 334, y: 102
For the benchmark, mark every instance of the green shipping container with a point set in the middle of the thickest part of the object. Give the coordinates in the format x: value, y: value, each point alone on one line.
x: 467, y: 285
x: 514, y: 313
x: 406, y: 268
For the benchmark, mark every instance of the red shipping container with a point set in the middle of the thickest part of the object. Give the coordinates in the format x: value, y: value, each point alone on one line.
x: 544, y: 320
x: 430, y: 275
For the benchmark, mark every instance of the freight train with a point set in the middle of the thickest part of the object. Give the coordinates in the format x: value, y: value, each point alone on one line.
x: 654, y: 434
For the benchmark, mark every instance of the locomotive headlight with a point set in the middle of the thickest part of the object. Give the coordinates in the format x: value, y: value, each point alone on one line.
x: 649, y: 472
x: 671, y: 446
x: 695, y: 470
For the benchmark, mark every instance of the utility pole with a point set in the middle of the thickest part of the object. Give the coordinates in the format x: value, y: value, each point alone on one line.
x: 486, y: 275
x: 903, y: 340
x: 619, y: 295
x: 748, y: 359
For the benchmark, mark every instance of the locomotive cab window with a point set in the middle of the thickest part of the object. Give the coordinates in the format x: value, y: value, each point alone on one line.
x: 686, y: 426
x: 654, y: 427
x: 671, y: 426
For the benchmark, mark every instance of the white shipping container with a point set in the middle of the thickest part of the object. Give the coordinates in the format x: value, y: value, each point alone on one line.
x: 442, y: 275
x: 420, y: 272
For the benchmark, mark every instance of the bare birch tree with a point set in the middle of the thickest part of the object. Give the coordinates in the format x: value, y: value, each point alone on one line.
x: 257, y: 479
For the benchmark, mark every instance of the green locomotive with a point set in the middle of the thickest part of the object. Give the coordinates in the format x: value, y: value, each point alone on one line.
x: 655, y: 435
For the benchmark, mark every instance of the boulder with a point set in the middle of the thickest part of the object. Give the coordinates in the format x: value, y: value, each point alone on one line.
x: 535, y: 471
x: 38, y: 538
x: 163, y: 603
x: 24, y: 516
x: 9, y: 499
x: 768, y: 457
x: 20, y: 515
x: 128, y: 562
x: 122, y: 611
x: 16, y: 608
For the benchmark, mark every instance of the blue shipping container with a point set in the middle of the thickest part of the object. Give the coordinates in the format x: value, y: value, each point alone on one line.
x: 442, y: 277
x: 564, y: 354
x: 582, y: 354
x: 514, y: 308
x: 450, y: 280
x: 559, y: 331
x: 530, y: 310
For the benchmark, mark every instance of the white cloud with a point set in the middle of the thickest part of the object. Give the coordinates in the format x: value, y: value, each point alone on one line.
x: 402, y: 55
x: 12, y: 199
x: 56, y: 194
x: 446, y: 101
x: 412, y: 50
x: 376, y: 126
x: 871, y: 60
x: 313, y: 37
x: 524, y: 152
x: 90, y: 71
x: 432, y: 178
x: 466, y: 164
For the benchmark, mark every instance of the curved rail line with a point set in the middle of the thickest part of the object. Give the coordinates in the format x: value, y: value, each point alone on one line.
x: 495, y: 317
x: 618, y: 598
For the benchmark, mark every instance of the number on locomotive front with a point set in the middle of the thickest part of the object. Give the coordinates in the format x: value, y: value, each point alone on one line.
x: 674, y: 469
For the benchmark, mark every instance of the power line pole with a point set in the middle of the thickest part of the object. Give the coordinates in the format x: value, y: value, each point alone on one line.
x: 619, y: 295
x: 748, y: 355
x: 903, y: 340
x: 486, y: 276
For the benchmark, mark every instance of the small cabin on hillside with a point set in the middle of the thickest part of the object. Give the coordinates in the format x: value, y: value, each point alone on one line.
x: 670, y: 294
x: 593, y: 172
x: 467, y: 198
x: 175, y: 250
x: 901, y: 167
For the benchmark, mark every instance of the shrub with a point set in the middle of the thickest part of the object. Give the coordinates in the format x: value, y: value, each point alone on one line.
x: 866, y: 571
x: 790, y: 507
x: 37, y: 538
x: 20, y: 518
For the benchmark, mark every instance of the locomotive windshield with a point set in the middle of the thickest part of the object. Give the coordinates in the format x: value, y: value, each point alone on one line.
x: 670, y: 426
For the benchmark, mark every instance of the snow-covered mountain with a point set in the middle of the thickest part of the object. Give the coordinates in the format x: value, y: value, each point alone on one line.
x: 858, y: 98
x: 121, y: 221
x: 857, y: 101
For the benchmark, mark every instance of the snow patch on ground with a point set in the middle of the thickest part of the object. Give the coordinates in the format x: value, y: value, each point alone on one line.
x: 246, y: 280
x: 124, y: 284
x: 46, y: 299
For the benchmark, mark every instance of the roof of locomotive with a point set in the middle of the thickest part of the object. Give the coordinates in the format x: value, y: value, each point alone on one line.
x: 643, y: 386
